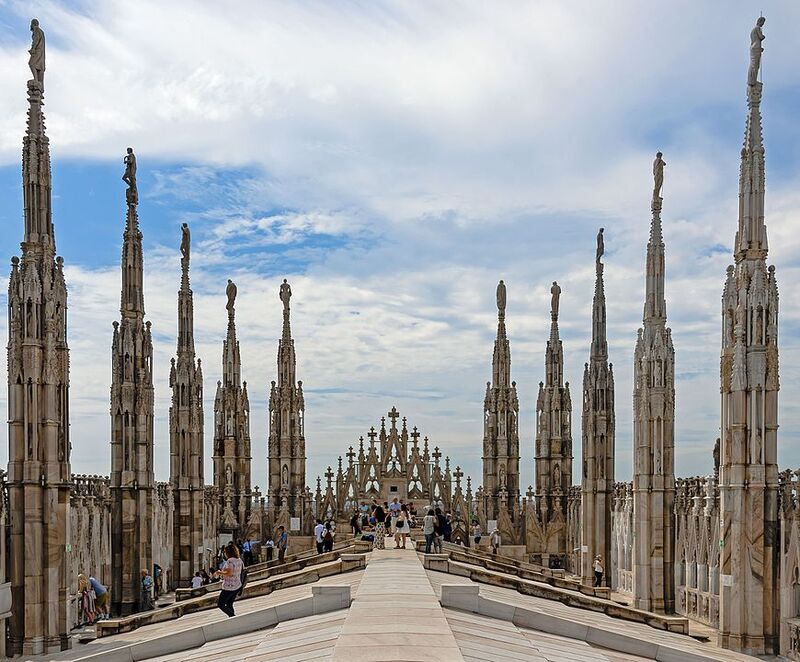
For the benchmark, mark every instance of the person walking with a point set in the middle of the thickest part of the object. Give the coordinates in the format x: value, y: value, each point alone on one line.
x: 282, y: 543
x: 319, y: 531
x: 146, y: 601
x: 598, y: 570
x: 429, y: 530
x: 231, y: 573
x: 380, y: 528
x: 494, y: 539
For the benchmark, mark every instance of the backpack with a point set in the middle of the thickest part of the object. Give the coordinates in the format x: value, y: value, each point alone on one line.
x: 243, y: 578
x: 328, y: 537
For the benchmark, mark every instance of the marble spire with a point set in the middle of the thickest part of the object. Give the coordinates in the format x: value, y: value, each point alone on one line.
x: 749, y: 558
x: 654, y: 432
x: 38, y: 402
x: 132, y: 399
x: 286, y: 443
x: 598, y: 424
x: 232, y: 456
x: 553, y: 442
x: 501, y: 427
x: 186, y: 434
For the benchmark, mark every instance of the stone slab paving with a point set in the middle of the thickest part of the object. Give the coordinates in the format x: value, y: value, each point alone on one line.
x: 310, y: 638
x: 482, y: 638
x: 206, y: 617
x: 584, y: 616
x: 395, y: 615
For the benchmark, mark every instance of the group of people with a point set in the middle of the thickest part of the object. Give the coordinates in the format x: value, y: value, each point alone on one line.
x: 324, y: 535
x: 93, y: 600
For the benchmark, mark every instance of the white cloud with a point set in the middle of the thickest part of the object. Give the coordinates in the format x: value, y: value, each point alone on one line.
x: 446, y: 146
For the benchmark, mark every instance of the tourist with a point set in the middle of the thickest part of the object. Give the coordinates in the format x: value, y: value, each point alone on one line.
x: 231, y: 573
x: 205, y: 577
x: 380, y: 528
x: 355, y: 525
x: 157, y: 580
x: 327, y: 536
x: 197, y: 580
x: 476, y: 532
x: 102, y: 606
x: 441, y: 524
x: 448, y: 527
x: 402, y: 529
x: 394, y: 511
x: 598, y: 570
x: 494, y: 540
x: 146, y: 601
x: 282, y: 543
x: 429, y: 530
x: 247, y: 553
x: 86, y: 598
x: 318, y: 531
x: 269, y: 545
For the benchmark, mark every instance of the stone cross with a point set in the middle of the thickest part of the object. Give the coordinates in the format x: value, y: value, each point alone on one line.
x: 372, y: 436
x: 458, y: 474
x: 437, y: 454
x: 394, y: 416
x: 329, y: 476
x: 415, y: 436
x: 350, y: 456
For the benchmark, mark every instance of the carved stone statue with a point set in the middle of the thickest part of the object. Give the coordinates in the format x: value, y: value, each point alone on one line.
x: 285, y: 294
x: 36, y: 61
x: 230, y: 290
x: 186, y: 240
x: 501, y: 297
x: 601, y: 248
x: 555, y: 296
x: 716, y: 456
x: 658, y: 175
x: 756, y: 37
x: 129, y: 177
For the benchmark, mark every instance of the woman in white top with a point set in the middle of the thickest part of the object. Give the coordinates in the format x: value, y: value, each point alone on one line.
x: 231, y: 573
x: 403, y: 527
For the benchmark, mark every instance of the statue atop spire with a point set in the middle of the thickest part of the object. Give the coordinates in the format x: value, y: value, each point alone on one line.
x: 285, y: 295
x: 230, y: 291
x: 555, y: 297
x: 501, y: 298
x: 129, y: 177
x: 36, y: 60
x: 601, y: 247
x: 658, y: 176
x: 756, y: 37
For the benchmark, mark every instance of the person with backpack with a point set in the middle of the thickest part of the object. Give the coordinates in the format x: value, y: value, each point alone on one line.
x: 231, y: 573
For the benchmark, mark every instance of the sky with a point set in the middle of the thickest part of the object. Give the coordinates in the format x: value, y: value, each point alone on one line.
x: 393, y: 161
